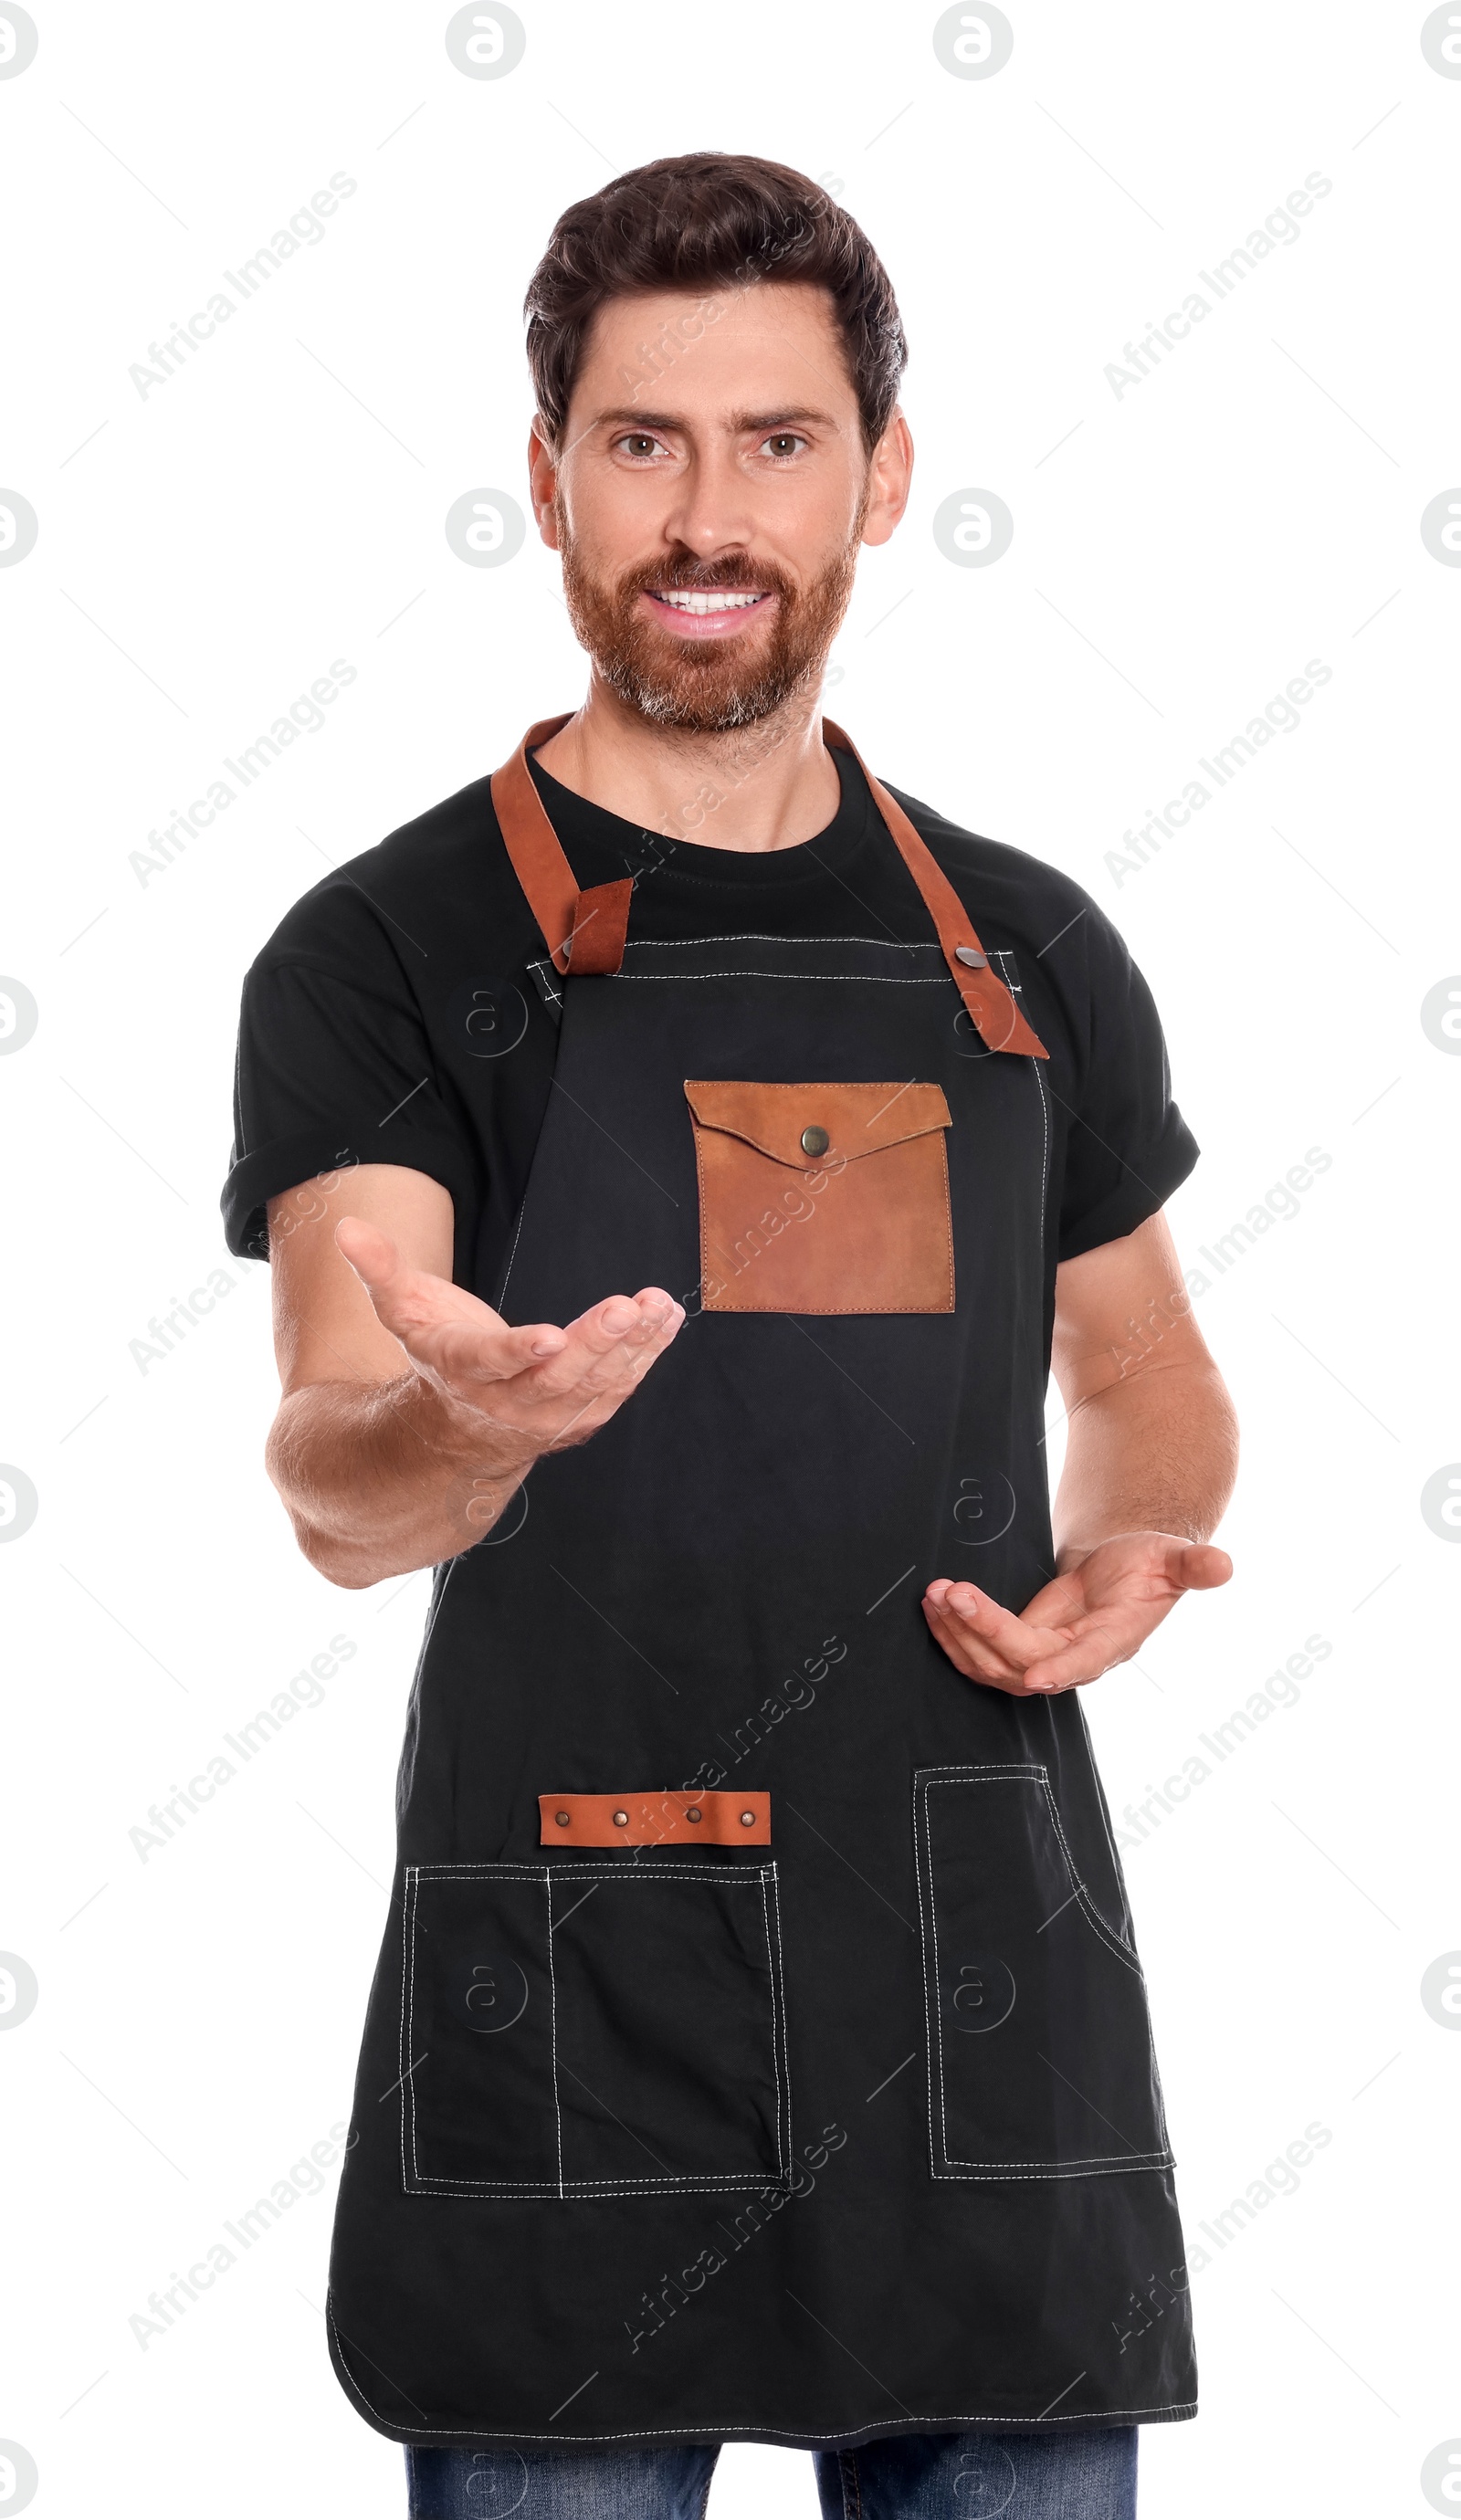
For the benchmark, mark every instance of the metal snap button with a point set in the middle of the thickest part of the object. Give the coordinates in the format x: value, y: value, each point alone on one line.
x: 620, y: 1820
x: 814, y: 1142
x: 692, y: 1815
x: 562, y: 1819
x: 747, y: 1819
x: 971, y: 954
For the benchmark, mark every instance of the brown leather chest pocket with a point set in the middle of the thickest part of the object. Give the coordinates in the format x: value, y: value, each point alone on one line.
x: 823, y: 1199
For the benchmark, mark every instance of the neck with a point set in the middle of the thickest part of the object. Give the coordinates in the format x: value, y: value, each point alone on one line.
x: 759, y: 788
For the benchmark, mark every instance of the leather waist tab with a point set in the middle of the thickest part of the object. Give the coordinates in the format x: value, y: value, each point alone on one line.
x: 655, y: 1819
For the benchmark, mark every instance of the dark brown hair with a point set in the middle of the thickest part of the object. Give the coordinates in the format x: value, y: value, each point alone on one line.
x: 703, y: 223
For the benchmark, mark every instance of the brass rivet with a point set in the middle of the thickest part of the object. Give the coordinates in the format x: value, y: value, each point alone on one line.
x: 747, y: 1819
x: 692, y: 1815
x: 562, y: 1819
x: 620, y: 1820
x: 971, y: 954
x: 814, y: 1142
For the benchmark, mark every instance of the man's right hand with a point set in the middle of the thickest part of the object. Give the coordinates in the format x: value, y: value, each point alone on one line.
x: 538, y: 1388
x: 411, y: 1411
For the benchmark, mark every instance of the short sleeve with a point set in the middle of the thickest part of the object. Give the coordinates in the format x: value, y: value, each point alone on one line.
x: 333, y: 1069
x: 1128, y: 1145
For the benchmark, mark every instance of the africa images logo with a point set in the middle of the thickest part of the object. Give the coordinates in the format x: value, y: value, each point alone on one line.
x: 305, y: 227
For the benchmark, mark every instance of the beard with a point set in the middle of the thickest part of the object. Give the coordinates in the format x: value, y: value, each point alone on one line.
x: 706, y: 687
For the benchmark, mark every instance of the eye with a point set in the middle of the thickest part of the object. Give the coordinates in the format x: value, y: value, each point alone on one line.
x: 782, y: 445
x: 638, y: 446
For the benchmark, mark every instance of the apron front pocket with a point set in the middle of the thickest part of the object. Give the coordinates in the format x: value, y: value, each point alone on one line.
x: 592, y: 2030
x: 1040, y: 2060
x: 823, y: 1199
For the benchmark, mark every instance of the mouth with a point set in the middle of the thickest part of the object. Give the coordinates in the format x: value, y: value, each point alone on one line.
x: 711, y: 613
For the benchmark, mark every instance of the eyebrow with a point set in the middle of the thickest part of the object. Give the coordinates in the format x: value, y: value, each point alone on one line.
x: 630, y: 417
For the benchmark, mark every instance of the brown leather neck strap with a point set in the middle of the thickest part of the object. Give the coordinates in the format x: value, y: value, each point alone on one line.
x: 585, y: 930
x: 996, y: 1017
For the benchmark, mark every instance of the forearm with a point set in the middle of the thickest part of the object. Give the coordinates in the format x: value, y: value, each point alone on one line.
x: 1155, y: 1451
x: 380, y: 1478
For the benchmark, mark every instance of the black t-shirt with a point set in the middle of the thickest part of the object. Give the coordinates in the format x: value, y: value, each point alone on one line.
x: 404, y: 1010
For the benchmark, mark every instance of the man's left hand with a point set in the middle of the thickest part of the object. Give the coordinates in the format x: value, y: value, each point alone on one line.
x: 1097, y: 1612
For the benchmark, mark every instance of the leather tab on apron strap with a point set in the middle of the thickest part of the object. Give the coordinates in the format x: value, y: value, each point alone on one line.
x: 597, y: 942
x: 583, y: 930
x: 655, y: 1819
x: 992, y: 1010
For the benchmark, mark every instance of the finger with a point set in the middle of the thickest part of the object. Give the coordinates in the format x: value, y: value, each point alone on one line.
x: 643, y: 1352
x: 1088, y: 1656
x: 659, y: 1318
x: 1072, y: 1670
x: 469, y: 1354
x: 569, y: 1415
x: 997, y: 1629
x: 959, y: 1638
x: 599, y: 1331
x: 600, y: 1346
x: 578, y: 1375
x: 606, y: 1384
x: 968, y: 1651
x: 972, y: 1661
x: 608, y: 1380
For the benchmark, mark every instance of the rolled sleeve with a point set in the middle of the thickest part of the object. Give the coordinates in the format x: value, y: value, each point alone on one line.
x: 332, y: 1071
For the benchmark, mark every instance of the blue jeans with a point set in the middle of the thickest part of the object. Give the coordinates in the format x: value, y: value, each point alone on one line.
x: 1085, y: 2473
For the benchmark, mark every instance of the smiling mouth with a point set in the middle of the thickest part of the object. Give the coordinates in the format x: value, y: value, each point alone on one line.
x: 715, y: 599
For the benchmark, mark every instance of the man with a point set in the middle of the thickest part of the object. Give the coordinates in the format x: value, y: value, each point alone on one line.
x: 758, y: 2048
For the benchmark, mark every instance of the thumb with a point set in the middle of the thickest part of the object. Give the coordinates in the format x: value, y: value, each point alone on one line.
x: 408, y: 1301
x: 1197, y: 1567
x: 372, y: 1254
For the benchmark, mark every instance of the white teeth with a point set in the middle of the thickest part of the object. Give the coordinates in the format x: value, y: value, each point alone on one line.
x: 708, y: 603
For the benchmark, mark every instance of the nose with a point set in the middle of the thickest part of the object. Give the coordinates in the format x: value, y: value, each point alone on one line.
x: 712, y: 514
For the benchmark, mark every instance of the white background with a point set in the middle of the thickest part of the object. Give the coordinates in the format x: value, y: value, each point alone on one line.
x: 1180, y: 552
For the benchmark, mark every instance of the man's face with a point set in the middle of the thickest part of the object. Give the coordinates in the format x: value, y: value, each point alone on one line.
x: 710, y: 496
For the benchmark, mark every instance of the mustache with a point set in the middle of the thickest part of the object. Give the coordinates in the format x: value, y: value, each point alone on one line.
x: 696, y: 577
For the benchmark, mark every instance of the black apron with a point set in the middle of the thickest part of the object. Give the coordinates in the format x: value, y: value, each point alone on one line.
x: 758, y: 2048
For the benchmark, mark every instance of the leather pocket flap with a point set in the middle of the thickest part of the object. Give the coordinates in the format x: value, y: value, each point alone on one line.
x: 807, y: 1126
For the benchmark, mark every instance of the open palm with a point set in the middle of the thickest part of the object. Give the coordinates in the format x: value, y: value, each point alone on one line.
x: 547, y: 1385
x: 1095, y: 1613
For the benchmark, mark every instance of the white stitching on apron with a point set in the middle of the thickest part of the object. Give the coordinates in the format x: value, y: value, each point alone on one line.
x: 713, y: 2424
x: 662, y: 1877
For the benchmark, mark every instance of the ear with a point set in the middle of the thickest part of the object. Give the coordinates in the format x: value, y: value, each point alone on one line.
x: 542, y: 481
x: 891, y: 479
